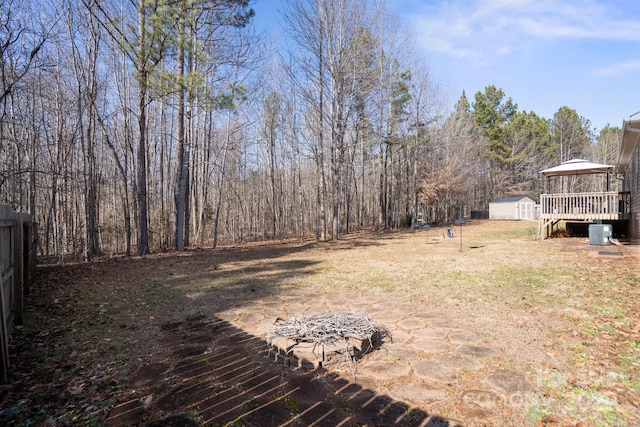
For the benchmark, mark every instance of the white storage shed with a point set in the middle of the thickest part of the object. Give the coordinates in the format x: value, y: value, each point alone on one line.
x: 513, y: 207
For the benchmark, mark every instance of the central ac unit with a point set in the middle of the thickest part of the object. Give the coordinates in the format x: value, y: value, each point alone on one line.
x: 600, y: 234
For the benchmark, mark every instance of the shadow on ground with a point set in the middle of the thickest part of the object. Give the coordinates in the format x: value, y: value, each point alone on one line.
x: 208, y: 372
x: 123, y: 342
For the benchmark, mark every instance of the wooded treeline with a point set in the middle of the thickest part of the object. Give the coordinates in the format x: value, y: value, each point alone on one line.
x: 154, y: 124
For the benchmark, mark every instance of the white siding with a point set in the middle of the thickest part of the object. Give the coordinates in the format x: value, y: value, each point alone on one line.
x: 524, y: 209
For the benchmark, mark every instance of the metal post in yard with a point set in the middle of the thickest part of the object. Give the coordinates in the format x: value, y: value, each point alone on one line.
x: 460, y: 221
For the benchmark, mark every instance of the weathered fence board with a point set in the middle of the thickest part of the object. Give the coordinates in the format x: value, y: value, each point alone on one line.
x: 17, y: 268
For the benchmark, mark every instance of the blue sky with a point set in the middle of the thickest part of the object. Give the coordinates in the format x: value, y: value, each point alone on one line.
x: 544, y: 54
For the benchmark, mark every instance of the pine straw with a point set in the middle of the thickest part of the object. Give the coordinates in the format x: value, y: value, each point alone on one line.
x: 332, y: 330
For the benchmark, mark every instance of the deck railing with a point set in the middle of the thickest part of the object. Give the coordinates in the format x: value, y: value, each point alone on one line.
x: 610, y: 205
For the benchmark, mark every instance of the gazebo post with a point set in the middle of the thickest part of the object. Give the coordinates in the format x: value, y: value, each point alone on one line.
x: 548, y: 184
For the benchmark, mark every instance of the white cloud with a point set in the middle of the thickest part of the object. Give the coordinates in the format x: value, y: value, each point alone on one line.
x: 621, y: 68
x: 580, y: 21
x: 482, y: 31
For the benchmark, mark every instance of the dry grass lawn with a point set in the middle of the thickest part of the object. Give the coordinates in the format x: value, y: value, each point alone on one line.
x: 563, y: 312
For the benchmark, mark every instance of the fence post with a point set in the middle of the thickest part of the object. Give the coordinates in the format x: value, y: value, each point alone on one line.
x: 26, y: 256
x: 18, y: 272
x: 4, y: 332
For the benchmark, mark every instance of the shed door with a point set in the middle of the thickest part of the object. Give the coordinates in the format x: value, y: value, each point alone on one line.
x: 526, y: 211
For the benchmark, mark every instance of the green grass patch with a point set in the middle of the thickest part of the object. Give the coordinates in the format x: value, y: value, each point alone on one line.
x: 511, y: 230
x: 535, y: 415
x: 466, y: 298
x: 634, y: 384
x: 632, y: 279
x: 610, y: 309
x: 291, y: 404
x: 386, y: 287
x: 592, y: 331
x: 520, y: 277
x: 629, y: 360
x: 581, y: 357
x: 459, y: 276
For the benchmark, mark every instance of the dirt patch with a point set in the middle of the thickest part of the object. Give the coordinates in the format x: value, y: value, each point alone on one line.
x: 523, y: 331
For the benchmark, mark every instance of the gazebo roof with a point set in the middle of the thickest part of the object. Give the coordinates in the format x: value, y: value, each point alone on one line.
x: 577, y: 167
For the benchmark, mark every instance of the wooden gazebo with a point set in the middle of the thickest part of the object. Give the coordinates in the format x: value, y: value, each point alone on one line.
x: 588, y: 207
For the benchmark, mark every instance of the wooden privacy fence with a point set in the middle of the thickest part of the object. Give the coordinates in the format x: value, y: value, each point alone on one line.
x: 17, y: 269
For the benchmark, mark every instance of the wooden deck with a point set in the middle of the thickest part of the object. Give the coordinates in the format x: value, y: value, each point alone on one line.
x: 608, y: 206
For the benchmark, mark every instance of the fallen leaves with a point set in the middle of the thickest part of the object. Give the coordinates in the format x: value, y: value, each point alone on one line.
x: 88, y: 327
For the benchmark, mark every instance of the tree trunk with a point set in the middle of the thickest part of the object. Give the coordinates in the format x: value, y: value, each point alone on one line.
x: 322, y: 190
x: 143, y: 213
x: 180, y: 191
x: 216, y: 220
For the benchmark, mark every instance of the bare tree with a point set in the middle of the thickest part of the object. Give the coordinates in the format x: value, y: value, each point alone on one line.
x: 85, y: 71
x: 20, y: 46
x: 328, y: 36
x: 272, y: 112
x: 145, y: 48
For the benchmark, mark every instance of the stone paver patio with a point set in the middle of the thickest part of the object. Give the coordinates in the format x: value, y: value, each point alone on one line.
x: 425, y: 364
